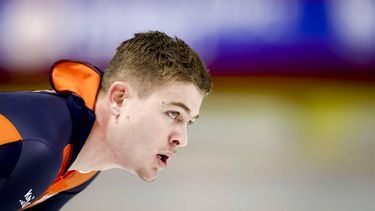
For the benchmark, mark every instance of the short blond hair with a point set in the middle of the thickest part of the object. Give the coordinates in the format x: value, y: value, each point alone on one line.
x: 153, y: 58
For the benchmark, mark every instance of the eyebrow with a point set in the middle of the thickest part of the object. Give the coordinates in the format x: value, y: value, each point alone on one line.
x: 183, y: 106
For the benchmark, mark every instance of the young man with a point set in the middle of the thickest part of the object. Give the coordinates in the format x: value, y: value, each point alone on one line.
x: 134, y: 117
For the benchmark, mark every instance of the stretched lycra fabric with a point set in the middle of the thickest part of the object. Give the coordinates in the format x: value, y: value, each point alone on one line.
x: 41, y: 134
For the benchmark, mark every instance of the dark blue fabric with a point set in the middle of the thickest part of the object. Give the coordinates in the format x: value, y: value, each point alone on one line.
x: 41, y: 116
x: 36, y: 168
x: 9, y: 155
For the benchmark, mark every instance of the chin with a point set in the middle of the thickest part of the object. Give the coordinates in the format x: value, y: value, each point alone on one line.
x: 149, y: 180
x: 147, y: 176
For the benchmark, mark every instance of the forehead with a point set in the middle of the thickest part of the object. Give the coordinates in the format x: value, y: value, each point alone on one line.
x: 185, y: 93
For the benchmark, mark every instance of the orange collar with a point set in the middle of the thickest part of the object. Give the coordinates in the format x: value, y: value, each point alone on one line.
x: 78, y: 77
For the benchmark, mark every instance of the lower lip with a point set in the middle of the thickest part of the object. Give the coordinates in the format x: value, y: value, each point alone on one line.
x: 161, y: 163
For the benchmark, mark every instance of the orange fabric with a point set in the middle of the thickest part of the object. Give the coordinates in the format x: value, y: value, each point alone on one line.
x: 69, y: 180
x: 8, y: 132
x: 80, y: 78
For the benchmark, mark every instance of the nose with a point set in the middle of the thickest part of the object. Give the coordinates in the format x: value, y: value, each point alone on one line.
x: 179, y: 137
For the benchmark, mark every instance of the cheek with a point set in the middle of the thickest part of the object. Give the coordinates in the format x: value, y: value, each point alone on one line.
x: 151, y: 129
x: 115, y: 136
x: 143, y: 127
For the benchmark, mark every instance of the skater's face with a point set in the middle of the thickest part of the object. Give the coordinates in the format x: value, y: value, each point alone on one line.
x: 147, y: 130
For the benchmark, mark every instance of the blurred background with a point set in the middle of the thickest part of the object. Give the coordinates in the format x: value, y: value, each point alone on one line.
x: 290, y: 124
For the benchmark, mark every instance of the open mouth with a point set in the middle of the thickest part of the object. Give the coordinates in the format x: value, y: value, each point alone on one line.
x: 163, y: 158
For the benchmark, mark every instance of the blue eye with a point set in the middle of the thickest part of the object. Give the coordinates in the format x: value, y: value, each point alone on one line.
x: 173, y: 114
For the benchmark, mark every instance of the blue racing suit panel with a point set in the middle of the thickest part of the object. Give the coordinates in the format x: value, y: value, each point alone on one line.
x: 38, y: 115
x: 34, y: 167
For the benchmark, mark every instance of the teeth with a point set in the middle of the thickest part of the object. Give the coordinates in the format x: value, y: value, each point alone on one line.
x: 159, y: 156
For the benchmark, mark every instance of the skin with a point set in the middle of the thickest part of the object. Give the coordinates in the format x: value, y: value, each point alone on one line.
x: 130, y: 131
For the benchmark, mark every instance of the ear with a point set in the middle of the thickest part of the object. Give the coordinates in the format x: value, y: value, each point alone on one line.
x: 117, y: 94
